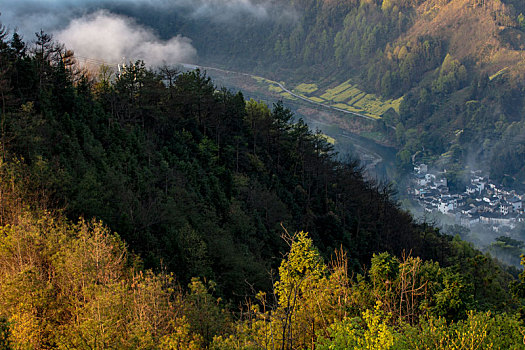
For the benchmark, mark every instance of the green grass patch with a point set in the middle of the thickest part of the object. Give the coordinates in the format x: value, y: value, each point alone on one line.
x: 396, y: 103
x: 275, y: 88
x: 498, y: 73
x: 373, y: 105
x: 330, y: 94
x: 356, y: 98
x: 347, y: 95
x: 356, y: 110
x: 288, y: 96
x: 343, y: 96
x: 447, y: 154
x: 305, y: 89
x: 329, y: 139
x: 316, y: 99
x: 347, y: 108
x: 262, y: 80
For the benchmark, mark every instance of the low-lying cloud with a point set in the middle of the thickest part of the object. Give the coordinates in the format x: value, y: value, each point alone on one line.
x: 92, y: 29
x: 32, y: 15
x: 114, y: 39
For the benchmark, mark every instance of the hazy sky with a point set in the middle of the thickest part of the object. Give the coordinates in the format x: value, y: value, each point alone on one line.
x: 87, y: 27
x: 32, y: 15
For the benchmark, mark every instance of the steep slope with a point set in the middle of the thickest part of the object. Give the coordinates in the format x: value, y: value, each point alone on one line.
x: 204, y: 186
x: 395, y: 49
x: 474, y: 30
x: 193, y: 179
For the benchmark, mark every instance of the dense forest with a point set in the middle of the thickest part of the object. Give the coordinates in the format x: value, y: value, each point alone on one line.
x: 457, y: 63
x: 152, y: 209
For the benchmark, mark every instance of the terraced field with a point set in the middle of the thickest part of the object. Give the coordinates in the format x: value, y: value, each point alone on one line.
x: 305, y: 88
x: 346, y: 96
x: 349, y: 97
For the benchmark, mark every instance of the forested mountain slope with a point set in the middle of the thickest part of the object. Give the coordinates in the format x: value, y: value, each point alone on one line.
x: 458, y: 64
x: 201, y: 187
x: 193, y: 179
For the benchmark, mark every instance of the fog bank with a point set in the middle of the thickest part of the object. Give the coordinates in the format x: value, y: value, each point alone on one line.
x: 115, y: 39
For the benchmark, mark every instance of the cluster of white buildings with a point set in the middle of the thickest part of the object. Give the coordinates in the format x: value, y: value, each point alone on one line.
x: 483, y: 201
